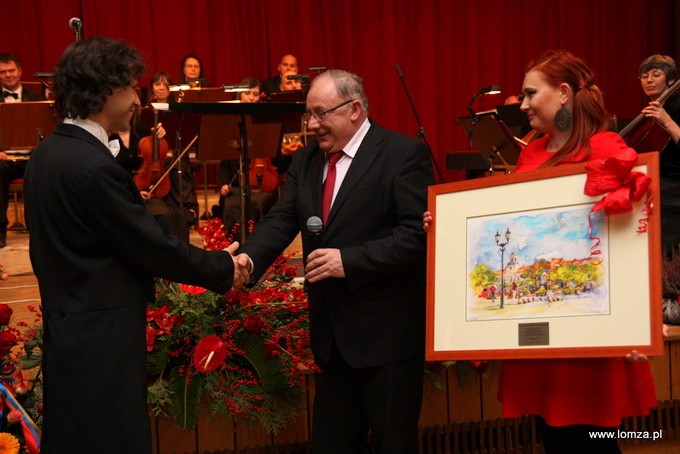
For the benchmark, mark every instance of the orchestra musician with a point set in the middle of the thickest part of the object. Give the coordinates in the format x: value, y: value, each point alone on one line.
x: 170, y: 219
x: 273, y: 84
x: 160, y: 87
x: 289, y: 84
x: 657, y: 73
x: 160, y: 92
x: 192, y: 68
x: 11, y: 169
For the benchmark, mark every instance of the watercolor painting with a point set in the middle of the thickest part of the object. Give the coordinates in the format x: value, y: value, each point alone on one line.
x: 537, y: 264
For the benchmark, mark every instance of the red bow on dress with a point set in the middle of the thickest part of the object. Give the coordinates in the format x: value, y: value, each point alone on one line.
x: 613, y: 177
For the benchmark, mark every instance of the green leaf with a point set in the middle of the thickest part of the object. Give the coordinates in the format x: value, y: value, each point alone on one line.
x: 283, y: 401
x: 186, y: 395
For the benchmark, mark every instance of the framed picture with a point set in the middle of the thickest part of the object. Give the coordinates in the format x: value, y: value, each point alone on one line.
x: 520, y: 266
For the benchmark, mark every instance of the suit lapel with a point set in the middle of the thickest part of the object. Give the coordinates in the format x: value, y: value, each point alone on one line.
x: 366, y: 154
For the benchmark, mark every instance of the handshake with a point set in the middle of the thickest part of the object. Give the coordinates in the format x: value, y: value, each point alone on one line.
x: 242, y: 266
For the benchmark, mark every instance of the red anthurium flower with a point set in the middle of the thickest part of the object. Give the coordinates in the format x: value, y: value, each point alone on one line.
x: 193, y: 289
x: 209, y: 354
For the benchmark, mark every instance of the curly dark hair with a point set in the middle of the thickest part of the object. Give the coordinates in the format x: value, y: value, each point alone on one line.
x: 89, y: 71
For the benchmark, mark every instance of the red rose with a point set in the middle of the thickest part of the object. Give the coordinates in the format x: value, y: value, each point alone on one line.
x: 7, y: 340
x: 5, y: 314
x: 252, y: 323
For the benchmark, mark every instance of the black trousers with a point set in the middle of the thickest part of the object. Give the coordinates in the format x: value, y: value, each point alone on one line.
x: 350, y: 402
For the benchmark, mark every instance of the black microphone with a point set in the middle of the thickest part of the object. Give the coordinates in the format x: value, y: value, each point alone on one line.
x: 298, y: 77
x: 314, y: 226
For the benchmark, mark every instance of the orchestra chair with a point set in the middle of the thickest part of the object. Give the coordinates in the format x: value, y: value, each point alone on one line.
x: 16, y: 189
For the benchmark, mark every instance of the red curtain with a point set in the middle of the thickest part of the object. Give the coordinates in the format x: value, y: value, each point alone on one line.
x: 447, y: 50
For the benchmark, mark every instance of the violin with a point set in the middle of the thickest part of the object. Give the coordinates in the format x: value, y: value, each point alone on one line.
x: 263, y: 174
x: 151, y: 174
x: 645, y: 134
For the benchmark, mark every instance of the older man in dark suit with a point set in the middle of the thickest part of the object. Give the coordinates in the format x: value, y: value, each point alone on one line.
x: 365, y: 272
x: 95, y: 251
x: 12, y: 91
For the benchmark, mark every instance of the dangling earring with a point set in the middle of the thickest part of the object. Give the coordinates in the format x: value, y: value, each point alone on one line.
x: 563, y: 119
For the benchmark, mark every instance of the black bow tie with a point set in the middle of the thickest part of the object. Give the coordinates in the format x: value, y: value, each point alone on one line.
x: 6, y: 93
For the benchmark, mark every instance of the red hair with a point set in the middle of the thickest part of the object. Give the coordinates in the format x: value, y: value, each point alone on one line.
x: 589, y: 114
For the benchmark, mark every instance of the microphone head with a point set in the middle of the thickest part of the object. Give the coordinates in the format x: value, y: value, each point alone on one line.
x: 314, y: 225
x: 75, y: 23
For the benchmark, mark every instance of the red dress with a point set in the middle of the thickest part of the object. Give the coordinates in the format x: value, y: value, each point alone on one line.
x: 595, y: 391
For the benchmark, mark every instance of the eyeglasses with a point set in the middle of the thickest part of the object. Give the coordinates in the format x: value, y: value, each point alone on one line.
x: 652, y: 75
x: 321, y: 116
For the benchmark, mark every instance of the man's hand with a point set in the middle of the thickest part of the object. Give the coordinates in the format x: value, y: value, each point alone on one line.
x: 241, y: 273
x: 324, y: 263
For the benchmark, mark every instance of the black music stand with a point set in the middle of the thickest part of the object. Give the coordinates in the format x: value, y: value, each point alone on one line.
x: 258, y: 114
x: 221, y: 139
x: 492, y: 138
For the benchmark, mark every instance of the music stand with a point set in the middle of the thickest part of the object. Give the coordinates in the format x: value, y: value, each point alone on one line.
x: 261, y: 113
x: 213, y: 94
x: 492, y: 138
x: 24, y: 124
x: 288, y: 96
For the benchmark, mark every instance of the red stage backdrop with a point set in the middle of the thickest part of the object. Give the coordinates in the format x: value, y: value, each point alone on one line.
x: 447, y: 50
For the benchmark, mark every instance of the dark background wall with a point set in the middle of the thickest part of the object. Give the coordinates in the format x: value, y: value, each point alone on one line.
x: 447, y: 50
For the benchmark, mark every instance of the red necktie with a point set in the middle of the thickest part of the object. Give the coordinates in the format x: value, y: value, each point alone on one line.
x: 329, y: 185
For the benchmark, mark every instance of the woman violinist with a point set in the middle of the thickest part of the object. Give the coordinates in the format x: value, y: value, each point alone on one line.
x: 129, y: 157
x: 160, y: 87
x: 657, y: 73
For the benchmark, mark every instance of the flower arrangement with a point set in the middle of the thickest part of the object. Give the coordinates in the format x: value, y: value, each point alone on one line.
x: 243, y: 353
x: 20, y: 398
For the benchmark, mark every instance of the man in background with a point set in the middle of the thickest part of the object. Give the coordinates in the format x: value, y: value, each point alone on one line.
x: 10, y: 169
x: 273, y: 84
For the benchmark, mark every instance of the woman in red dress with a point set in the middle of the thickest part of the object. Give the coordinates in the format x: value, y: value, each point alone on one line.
x: 574, y: 396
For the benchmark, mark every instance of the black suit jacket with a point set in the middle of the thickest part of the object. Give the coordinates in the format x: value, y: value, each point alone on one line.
x: 95, y: 251
x: 271, y: 85
x: 376, y: 314
x: 27, y: 95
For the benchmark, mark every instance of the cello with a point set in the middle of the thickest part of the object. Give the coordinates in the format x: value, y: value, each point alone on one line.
x: 263, y: 175
x: 645, y: 134
x: 150, y: 176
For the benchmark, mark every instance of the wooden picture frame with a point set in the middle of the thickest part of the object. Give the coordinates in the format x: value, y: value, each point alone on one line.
x: 583, y: 285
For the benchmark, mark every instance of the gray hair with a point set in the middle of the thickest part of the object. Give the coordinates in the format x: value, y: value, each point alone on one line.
x: 347, y: 84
